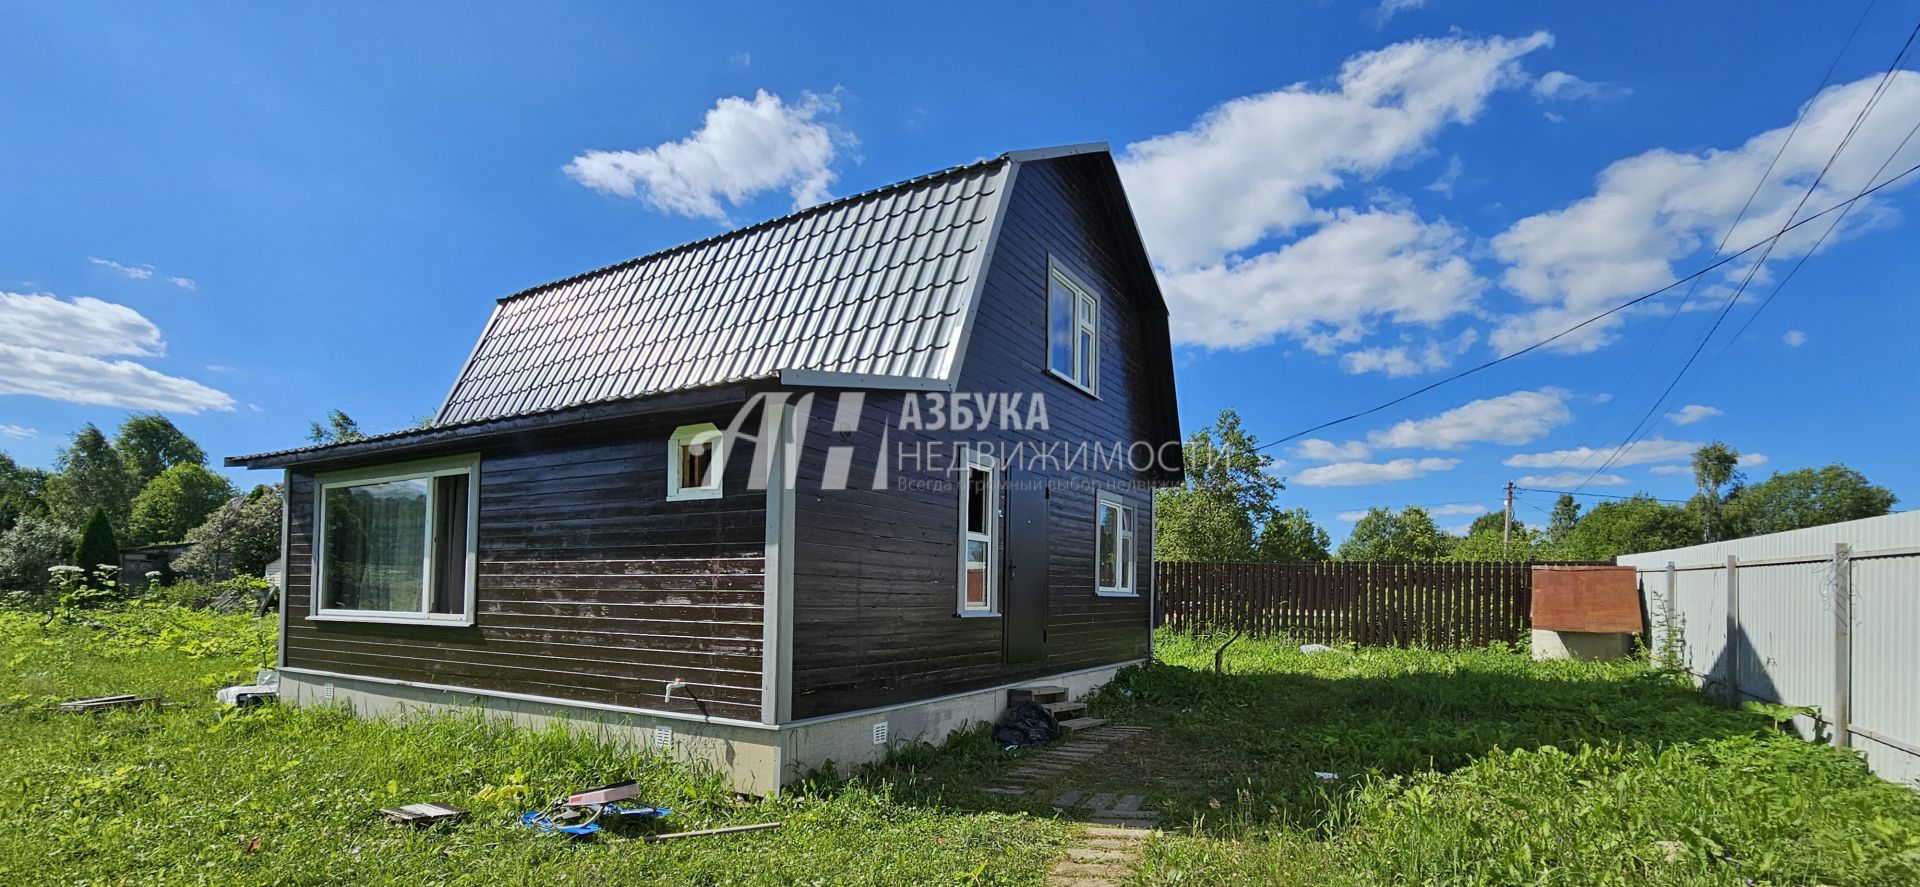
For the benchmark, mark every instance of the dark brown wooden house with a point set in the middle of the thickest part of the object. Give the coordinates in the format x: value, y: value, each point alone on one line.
x: 778, y: 497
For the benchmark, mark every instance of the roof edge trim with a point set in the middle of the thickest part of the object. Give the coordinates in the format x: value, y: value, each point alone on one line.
x: 830, y: 379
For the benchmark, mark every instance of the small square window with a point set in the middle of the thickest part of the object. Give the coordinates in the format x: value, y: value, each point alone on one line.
x: 696, y: 459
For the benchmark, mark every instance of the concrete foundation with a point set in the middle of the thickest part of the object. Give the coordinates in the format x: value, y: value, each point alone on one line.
x: 1548, y: 644
x: 757, y: 758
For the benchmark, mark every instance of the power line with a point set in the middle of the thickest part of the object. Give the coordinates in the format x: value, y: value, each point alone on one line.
x: 1582, y: 324
x: 1687, y: 297
x: 1772, y: 242
x: 1599, y: 495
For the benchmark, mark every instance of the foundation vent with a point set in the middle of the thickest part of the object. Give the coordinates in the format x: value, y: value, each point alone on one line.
x: 663, y: 737
x: 326, y: 694
x: 880, y: 733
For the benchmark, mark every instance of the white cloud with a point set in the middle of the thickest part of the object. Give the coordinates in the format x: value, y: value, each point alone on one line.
x: 742, y: 58
x: 1692, y: 413
x: 1794, y: 338
x: 185, y: 283
x: 1641, y: 452
x: 1562, y: 86
x: 1671, y: 469
x: 1516, y: 418
x: 18, y: 432
x: 1314, y: 449
x: 1409, y: 360
x: 1445, y: 510
x: 1245, y: 170
x: 745, y: 147
x: 1347, y: 474
x: 1753, y: 460
x: 1570, y: 479
x: 58, y: 349
x: 1444, y: 184
x: 1350, y: 516
x: 1652, y: 210
x: 1328, y: 287
x: 1389, y: 8
x: 137, y: 272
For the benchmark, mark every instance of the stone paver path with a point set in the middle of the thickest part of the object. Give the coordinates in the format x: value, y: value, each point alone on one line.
x: 1101, y: 857
x: 1047, y: 764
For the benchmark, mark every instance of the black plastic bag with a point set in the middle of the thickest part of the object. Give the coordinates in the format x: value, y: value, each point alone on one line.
x: 1026, y: 724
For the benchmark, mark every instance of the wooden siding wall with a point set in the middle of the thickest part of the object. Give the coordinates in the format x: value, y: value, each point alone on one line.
x: 876, y: 571
x: 592, y: 587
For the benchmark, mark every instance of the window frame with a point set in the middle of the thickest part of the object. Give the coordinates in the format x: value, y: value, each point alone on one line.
x: 1131, y: 588
x: 1084, y: 297
x: 969, y: 460
x: 468, y: 465
x: 686, y: 434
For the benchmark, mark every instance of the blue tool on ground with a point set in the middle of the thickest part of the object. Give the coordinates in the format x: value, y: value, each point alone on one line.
x: 580, y: 814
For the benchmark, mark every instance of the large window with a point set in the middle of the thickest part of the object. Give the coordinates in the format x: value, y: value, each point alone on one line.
x: 979, y: 515
x: 1073, y: 331
x: 396, y: 544
x: 695, y: 462
x: 1113, y: 546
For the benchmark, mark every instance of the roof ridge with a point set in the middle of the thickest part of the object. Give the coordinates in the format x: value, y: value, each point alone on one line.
x: 987, y: 163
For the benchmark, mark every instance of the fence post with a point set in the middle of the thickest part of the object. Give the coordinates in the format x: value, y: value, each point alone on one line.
x: 1842, y: 714
x: 1733, y: 647
x: 1670, y: 645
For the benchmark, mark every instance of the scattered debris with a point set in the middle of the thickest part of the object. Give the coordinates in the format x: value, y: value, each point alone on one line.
x: 424, y: 814
x: 708, y: 832
x: 102, y: 703
x: 1324, y: 776
x: 579, y: 814
x: 251, y: 844
x: 1311, y: 649
x: 1026, y: 724
x: 1670, y: 850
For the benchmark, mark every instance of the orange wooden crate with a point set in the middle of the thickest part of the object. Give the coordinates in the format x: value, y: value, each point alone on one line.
x: 1596, y: 599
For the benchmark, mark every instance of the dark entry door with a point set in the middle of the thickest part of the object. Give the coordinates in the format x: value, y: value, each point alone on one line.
x: 1025, y: 601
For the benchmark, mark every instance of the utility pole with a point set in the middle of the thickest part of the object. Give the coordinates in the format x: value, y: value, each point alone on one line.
x: 1506, y: 531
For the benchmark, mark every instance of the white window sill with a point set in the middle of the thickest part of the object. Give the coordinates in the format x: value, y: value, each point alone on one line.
x: 392, y: 618
x: 1108, y: 592
x: 978, y: 614
x: 696, y: 493
x: 1075, y: 383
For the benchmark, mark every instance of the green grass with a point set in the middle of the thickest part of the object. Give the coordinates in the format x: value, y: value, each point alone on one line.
x: 1475, y: 767
x: 181, y: 795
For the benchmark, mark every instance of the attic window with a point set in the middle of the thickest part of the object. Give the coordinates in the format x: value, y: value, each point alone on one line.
x: 1073, y: 331
x: 695, y: 461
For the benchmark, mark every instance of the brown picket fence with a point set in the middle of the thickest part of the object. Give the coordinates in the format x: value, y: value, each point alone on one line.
x: 1447, y: 605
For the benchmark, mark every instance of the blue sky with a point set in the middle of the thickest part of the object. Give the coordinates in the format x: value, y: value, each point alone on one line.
x: 246, y: 215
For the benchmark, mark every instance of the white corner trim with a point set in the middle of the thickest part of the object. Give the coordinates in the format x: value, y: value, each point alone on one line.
x: 776, y: 614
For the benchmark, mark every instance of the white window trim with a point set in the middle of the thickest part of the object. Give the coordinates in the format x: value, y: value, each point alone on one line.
x: 1131, y: 589
x: 687, y: 434
x: 468, y: 465
x: 969, y: 460
x: 1082, y: 294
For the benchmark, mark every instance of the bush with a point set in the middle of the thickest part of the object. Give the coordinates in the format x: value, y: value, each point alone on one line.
x: 237, y: 594
x: 97, y: 547
x: 28, y: 550
x: 239, y: 538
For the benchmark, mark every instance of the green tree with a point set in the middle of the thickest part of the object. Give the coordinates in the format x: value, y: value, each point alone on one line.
x: 1218, y: 513
x: 239, y: 537
x: 1716, y: 466
x: 340, y: 428
x: 1808, y: 497
x: 1627, y: 526
x: 91, y: 475
x: 175, y: 502
x: 22, y: 492
x: 96, y: 545
x: 1560, y: 523
x: 150, y: 444
x: 1291, y: 536
x: 1405, y: 535
x: 28, y: 548
x: 1494, y: 522
x: 1487, y: 545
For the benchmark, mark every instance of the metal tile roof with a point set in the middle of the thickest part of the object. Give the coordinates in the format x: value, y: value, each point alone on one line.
x: 877, y: 284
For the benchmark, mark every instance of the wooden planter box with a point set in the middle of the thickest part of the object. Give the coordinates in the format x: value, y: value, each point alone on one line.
x: 1586, y: 599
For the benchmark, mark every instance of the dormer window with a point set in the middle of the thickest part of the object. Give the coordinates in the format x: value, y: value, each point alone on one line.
x: 1073, y: 330
x: 695, y: 460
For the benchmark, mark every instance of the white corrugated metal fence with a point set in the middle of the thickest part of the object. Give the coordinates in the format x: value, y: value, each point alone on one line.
x: 1826, y: 617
